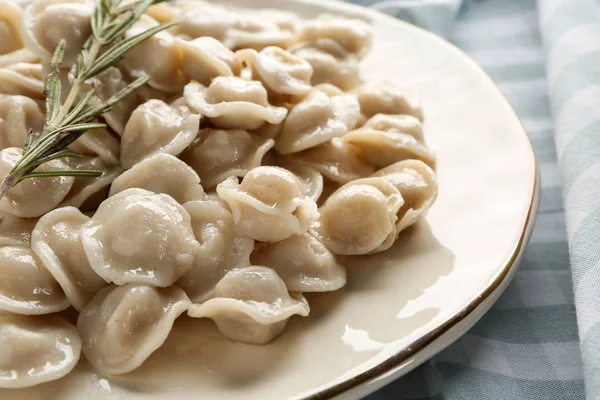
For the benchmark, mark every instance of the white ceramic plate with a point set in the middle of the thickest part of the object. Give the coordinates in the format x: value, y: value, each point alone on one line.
x: 400, y: 307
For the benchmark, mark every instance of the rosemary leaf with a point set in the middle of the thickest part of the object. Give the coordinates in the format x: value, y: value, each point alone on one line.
x: 55, y: 156
x: 67, y: 172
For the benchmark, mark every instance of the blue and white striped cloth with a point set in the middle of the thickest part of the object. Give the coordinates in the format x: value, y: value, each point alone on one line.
x: 528, y: 346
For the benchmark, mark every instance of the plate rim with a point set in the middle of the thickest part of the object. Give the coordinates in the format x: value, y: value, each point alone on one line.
x: 504, y: 272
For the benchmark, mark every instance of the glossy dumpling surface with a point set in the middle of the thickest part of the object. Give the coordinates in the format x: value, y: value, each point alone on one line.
x: 388, y: 97
x: 316, y: 120
x: 140, y: 236
x: 33, y: 197
x: 360, y: 217
x: 330, y: 61
x: 123, y: 325
x: 26, y: 287
x: 156, y: 127
x: 418, y: 186
x: 36, y: 350
x: 303, y: 263
x: 205, y: 58
x: 15, y: 231
x: 18, y: 114
x: 280, y: 71
x: 24, y: 79
x: 46, y: 22
x: 10, y: 18
x: 312, y: 180
x: 161, y: 173
x: 397, y: 123
x: 269, y: 204
x: 251, y: 305
x: 219, y: 154
x: 57, y: 243
x: 337, y: 160
x: 234, y: 103
x: 222, y: 248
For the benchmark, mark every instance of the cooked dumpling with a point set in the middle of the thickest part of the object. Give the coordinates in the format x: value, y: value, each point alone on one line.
x: 269, y: 205
x: 163, y: 12
x: 122, y: 326
x: 337, y: 160
x: 22, y: 79
x: 10, y: 19
x: 316, y: 120
x: 46, y: 22
x: 280, y: 71
x: 157, y: 57
x: 25, y: 285
x: 286, y: 21
x: 222, y: 248
x: 18, y: 114
x: 205, y: 58
x: 161, y: 173
x: 18, y: 57
x: 85, y: 188
x: 234, y: 103
x: 36, y: 350
x: 99, y: 142
x: 360, y: 217
x: 354, y: 35
x: 312, y: 180
x: 388, y: 97
x: 140, y: 236
x: 156, y: 127
x: 106, y: 85
x: 57, y: 243
x: 36, y: 196
x: 206, y: 19
x: 219, y: 154
x: 418, y: 186
x: 251, y: 305
x: 397, y: 123
x: 15, y: 231
x: 382, y: 148
x: 330, y: 61
x: 303, y: 263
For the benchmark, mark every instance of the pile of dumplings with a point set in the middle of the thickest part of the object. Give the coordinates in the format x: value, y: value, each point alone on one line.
x: 231, y: 183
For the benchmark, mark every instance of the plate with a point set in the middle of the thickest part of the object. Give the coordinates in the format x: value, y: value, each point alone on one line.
x: 399, y: 307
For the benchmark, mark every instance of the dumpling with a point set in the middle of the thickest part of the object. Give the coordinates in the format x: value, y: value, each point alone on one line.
x: 286, y: 21
x: 360, y: 217
x: 21, y: 56
x: 25, y: 285
x: 56, y: 241
x: 36, y: 350
x: 234, y: 103
x: 18, y: 114
x: 161, y: 173
x: 354, y: 35
x: 123, y: 325
x: 280, y: 71
x: 337, y: 160
x: 397, y: 123
x: 10, y: 19
x: 418, y: 186
x: 15, y: 231
x: 269, y: 205
x: 235, y: 30
x: 316, y: 120
x: 156, y: 127
x: 139, y: 236
x: 251, y: 305
x: 157, y: 57
x: 330, y: 61
x: 312, y: 180
x: 388, y: 97
x: 85, y: 188
x: 218, y: 154
x: 98, y: 142
x: 23, y: 79
x: 205, y: 58
x: 222, y: 248
x: 46, y: 22
x: 303, y: 263
x: 36, y: 196
x: 163, y: 12
x: 382, y: 148
x: 106, y: 85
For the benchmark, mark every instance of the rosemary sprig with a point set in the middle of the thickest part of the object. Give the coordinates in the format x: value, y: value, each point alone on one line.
x: 64, y: 123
